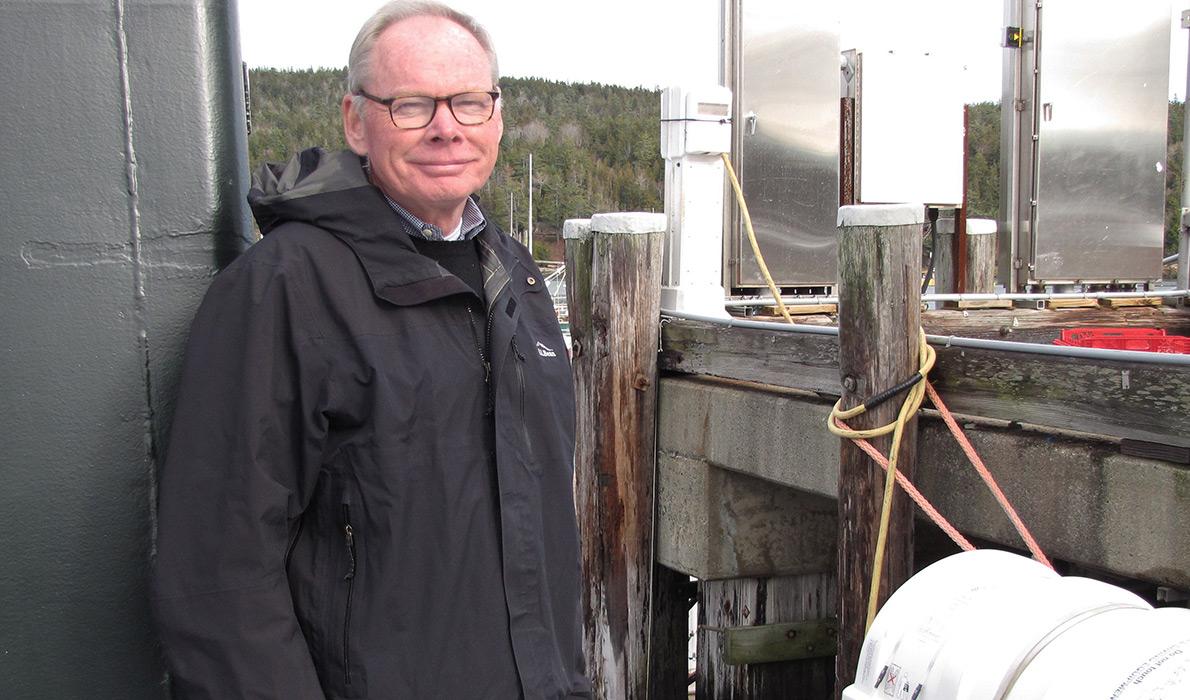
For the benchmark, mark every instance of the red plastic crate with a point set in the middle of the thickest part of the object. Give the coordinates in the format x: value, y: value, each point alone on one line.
x: 1143, y: 339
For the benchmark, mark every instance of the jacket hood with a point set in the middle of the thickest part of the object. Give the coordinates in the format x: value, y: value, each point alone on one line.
x: 330, y: 191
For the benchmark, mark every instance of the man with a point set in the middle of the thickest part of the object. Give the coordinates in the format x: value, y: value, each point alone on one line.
x: 368, y: 487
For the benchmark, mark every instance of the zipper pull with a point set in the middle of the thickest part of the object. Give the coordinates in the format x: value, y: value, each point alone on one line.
x: 491, y: 405
x: 349, y: 535
x: 350, y: 553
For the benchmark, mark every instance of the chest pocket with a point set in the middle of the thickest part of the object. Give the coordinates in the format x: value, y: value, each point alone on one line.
x: 543, y: 394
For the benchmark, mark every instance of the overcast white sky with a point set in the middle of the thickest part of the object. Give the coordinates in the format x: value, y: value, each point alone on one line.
x: 651, y: 43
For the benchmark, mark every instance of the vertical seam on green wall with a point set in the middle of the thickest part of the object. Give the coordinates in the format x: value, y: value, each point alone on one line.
x: 138, y: 280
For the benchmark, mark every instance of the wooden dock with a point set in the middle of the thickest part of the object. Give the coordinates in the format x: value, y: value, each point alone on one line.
x: 1094, y: 453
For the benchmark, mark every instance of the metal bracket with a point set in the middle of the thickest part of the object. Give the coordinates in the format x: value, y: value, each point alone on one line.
x: 761, y: 644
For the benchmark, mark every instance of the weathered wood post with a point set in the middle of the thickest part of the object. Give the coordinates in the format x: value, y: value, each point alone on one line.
x: 879, y: 318
x: 945, y: 252
x: 981, y: 256
x: 613, y: 282
x: 770, y: 637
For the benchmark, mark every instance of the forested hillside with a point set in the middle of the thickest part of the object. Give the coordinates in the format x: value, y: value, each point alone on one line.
x: 595, y: 147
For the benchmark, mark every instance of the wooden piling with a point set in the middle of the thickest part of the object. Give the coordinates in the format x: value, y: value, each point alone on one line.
x: 981, y: 256
x: 613, y: 280
x: 879, y: 318
x: 945, y: 255
x: 769, y: 637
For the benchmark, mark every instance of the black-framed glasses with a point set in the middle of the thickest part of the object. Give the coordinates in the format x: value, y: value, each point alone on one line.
x: 417, y: 111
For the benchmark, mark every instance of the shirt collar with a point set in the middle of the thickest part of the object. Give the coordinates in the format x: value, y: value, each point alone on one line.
x: 469, y: 227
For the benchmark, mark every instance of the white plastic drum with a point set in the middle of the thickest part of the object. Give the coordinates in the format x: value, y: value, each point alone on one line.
x: 989, y: 625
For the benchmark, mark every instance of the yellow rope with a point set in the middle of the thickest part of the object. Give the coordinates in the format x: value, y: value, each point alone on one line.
x: 764, y: 269
x: 909, y: 408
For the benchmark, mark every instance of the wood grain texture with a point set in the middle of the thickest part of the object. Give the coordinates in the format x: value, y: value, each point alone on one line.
x: 879, y: 318
x: 734, y: 603
x: 981, y: 264
x: 613, y: 287
x: 1100, y: 397
x: 944, y: 263
x: 787, y: 641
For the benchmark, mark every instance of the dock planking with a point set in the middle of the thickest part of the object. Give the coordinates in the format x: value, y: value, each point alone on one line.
x: 1136, y: 401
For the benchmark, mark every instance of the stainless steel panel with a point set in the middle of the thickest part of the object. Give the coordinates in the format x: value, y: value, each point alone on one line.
x: 1089, y: 176
x: 784, y: 71
x: 1102, y: 120
x: 1016, y: 127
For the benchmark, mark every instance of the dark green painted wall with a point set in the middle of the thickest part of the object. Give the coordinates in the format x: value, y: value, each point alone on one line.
x: 122, y: 176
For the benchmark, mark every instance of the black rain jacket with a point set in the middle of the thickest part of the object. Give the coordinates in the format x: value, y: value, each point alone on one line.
x: 344, y: 510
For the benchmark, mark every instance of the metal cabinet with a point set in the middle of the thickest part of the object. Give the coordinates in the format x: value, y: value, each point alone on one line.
x: 781, y: 60
x: 1084, y: 134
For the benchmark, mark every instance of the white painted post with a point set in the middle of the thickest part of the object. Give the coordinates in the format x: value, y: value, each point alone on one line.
x: 1184, y: 221
x: 695, y: 130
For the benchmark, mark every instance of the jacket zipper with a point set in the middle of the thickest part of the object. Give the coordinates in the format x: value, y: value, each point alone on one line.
x: 520, y: 377
x: 483, y: 355
x: 349, y: 537
x: 293, y: 542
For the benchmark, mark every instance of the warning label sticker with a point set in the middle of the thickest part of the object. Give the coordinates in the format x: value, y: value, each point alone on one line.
x: 1163, y: 676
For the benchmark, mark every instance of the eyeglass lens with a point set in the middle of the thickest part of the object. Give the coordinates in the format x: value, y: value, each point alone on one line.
x: 469, y: 108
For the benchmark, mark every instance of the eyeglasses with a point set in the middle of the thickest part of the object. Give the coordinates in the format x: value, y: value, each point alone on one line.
x: 417, y: 111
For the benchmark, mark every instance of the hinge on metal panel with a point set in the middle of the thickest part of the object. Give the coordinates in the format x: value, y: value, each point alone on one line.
x: 1017, y: 264
x: 1019, y: 104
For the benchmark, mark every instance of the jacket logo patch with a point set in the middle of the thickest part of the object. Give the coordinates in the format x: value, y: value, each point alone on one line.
x: 545, y: 351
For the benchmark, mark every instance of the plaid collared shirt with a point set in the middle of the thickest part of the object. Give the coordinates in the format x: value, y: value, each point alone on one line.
x: 472, y: 223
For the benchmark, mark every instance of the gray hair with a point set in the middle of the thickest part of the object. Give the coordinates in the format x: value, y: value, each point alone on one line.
x: 359, y: 61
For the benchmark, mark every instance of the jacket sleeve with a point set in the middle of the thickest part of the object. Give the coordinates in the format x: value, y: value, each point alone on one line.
x: 244, y: 453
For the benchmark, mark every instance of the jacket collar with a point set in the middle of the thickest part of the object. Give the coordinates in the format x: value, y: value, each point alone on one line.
x: 400, y: 275
x: 331, y: 191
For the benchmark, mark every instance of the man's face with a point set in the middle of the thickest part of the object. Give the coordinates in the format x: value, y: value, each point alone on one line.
x: 430, y: 171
